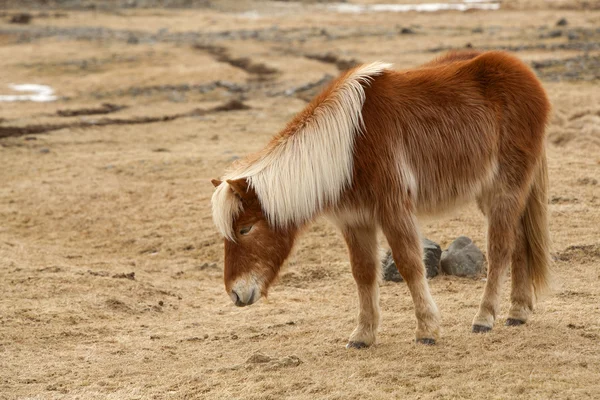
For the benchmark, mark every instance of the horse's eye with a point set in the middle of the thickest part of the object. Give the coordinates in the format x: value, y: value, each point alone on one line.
x: 246, y: 230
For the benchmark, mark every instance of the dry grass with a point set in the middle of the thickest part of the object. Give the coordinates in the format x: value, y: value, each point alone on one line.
x: 83, y: 207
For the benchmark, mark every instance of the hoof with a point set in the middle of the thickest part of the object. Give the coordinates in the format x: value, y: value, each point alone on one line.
x: 356, y: 345
x: 427, y: 341
x: 480, y: 329
x: 514, y: 322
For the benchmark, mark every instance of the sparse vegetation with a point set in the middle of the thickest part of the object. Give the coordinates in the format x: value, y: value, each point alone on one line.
x: 111, y: 269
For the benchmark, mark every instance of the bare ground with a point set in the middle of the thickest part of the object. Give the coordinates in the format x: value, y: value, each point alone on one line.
x: 111, y: 270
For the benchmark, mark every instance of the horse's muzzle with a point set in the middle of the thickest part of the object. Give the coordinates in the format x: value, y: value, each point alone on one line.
x: 241, y: 300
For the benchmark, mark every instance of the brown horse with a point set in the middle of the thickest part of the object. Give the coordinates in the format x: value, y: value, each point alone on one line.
x: 379, y: 147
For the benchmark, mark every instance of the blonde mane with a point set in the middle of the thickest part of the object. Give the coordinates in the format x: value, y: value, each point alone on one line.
x: 307, y: 169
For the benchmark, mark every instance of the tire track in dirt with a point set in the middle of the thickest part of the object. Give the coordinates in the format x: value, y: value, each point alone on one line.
x: 342, y: 64
x: 230, y: 87
x: 106, y: 108
x: 221, y: 54
x: 15, y: 131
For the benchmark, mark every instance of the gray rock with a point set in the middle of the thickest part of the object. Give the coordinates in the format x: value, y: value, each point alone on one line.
x: 432, y: 253
x: 462, y: 258
x: 390, y: 272
x: 562, y: 22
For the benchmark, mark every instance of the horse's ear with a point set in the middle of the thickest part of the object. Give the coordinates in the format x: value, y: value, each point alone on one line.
x: 239, y: 186
x: 216, y: 182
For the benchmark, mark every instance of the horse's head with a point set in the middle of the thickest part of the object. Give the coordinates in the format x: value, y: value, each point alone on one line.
x: 254, y: 249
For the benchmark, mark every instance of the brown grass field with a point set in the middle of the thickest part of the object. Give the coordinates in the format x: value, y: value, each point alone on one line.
x: 90, y: 194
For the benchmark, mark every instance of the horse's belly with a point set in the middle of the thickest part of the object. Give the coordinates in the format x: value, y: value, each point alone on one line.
x: 448, y: 176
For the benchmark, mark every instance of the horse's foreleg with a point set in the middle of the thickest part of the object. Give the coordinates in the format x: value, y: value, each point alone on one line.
x: 502, y: 222
x: 362, y: 245
x: 403, y: 238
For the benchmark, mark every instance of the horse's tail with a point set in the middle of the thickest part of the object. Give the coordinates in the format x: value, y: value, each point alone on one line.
x: 537, y: 235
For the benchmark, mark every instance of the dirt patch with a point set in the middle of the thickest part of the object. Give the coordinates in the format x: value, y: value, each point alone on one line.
x: 582, y: 253
x: 125, y: 275
x: 266, y: 363
x: 118, y: 305
x: 98, y: 273
x: 584, y: 67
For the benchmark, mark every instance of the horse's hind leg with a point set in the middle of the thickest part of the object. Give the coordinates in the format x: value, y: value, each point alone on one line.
x: 521, y: 295
x: 503, y: 215
x: 403, y: 238
x: 362, y: 245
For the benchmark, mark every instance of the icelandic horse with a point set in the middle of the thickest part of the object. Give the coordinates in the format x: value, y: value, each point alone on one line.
x: 379, y: 147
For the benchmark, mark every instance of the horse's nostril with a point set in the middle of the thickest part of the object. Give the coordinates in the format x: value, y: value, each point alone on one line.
x: 236, y: 299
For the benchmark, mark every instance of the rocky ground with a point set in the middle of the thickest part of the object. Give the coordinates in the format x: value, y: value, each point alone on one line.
x: 111, y: 269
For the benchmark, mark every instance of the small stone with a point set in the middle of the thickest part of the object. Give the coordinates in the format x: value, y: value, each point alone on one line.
x: 407, y: 31
x: 562, y: 22
x: 44, y: 150
x: 462, y: 258
x: 161, y: 303
x: 432, y: 253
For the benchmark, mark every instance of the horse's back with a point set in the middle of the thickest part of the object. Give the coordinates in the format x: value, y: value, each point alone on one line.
x: 449, y: 122
x: 453, y: 57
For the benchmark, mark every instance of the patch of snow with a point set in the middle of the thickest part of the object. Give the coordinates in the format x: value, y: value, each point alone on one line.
x: 424, y: 7
x: 39, y: 93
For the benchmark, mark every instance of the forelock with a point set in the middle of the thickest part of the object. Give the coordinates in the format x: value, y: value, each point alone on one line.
x: 226, y: 206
